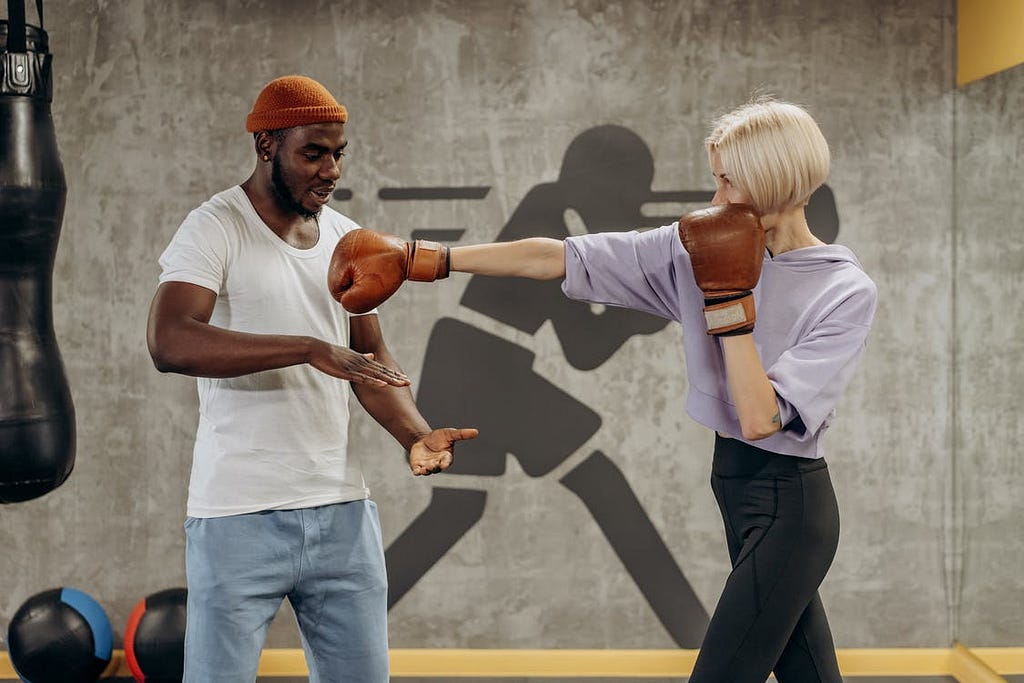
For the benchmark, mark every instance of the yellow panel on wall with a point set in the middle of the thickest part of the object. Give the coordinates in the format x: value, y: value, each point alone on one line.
x: 990, y: 37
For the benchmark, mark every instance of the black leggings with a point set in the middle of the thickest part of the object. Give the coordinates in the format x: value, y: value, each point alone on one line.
x: 782, y: 526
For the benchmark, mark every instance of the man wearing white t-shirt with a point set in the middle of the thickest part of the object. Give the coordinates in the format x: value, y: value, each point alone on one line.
x: 277, y: 507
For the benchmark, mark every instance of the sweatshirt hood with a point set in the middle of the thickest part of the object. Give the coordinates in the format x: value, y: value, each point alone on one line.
x: 815, y: 258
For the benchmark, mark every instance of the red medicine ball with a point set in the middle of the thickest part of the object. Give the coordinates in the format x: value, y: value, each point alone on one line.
x: 154, y: 639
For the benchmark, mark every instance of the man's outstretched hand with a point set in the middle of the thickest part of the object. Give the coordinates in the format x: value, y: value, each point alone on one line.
x: 435, y: 452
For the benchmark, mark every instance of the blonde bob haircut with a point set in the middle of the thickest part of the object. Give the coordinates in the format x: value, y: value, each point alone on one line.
x: 773, y: 151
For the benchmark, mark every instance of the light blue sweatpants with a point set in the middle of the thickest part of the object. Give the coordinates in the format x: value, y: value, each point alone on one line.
x: 328, y: 561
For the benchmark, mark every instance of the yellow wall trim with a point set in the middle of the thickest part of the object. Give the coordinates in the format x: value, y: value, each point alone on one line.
x: 975, y: 665
x: 989, y: 37
x: 1008, y: 661
x: 967, y: 668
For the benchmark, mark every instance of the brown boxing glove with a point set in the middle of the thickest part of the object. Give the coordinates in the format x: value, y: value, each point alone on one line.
x: 367, y: 267
x: 726, y: 246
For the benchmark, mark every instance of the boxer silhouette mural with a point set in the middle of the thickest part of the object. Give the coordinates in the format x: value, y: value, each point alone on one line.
x: 472, y: 376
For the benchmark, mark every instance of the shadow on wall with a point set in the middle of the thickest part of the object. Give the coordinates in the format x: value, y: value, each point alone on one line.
x: 472, y: 376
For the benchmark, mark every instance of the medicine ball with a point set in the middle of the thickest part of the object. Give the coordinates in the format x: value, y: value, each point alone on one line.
x: 60, y: 636
x: 154, y: 639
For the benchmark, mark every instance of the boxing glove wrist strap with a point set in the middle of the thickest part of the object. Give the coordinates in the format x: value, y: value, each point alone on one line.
x: 428, y: 261
x: 729, y: 315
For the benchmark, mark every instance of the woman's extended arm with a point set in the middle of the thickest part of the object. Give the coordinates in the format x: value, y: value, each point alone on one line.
x: 537, y: 258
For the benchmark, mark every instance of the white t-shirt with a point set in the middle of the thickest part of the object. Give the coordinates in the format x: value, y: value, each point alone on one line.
x: 277, y: 439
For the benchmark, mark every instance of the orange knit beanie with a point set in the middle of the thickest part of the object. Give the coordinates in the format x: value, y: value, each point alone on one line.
x: 292, y: 101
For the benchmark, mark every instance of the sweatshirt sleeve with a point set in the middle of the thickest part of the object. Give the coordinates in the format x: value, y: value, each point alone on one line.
x: 635, y: 270
x: 810, y: 377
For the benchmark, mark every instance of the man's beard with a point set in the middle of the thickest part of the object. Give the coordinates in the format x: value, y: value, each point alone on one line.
x: 283, y: 193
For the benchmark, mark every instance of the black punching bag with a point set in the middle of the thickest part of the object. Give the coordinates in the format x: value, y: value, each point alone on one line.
x: 37, y: 418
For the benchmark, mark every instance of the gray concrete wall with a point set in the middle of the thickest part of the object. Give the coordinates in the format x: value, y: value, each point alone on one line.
x: 150, y: 101
x: 989, y: 373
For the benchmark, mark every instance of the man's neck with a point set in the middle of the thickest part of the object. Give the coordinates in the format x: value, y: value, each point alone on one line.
x: 298, y: 231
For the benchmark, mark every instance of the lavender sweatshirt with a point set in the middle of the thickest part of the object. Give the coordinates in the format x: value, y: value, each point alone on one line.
x: 814, y: 310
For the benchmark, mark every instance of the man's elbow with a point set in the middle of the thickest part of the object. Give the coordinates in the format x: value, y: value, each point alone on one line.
x: 162, y: 353
x: 163, y: 365
x: 163, y: 362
